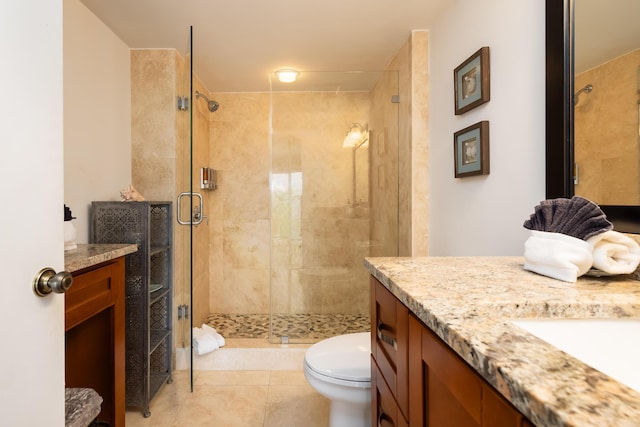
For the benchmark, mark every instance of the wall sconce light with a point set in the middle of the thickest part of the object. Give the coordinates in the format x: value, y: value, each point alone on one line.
x: 287, y: 75
x: 356, y: 136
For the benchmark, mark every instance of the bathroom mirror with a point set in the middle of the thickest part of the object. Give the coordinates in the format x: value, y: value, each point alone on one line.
x: 560, y: 111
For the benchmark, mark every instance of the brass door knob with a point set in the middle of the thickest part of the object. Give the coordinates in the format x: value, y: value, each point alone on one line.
x: 47, y: 281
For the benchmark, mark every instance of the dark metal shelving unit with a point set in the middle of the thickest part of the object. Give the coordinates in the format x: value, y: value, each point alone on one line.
x: 148, y: 311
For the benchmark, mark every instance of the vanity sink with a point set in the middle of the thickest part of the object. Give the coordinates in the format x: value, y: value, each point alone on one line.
x: 611, y: 346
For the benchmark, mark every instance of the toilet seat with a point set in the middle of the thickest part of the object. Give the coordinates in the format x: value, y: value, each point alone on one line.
x: 344, y: 359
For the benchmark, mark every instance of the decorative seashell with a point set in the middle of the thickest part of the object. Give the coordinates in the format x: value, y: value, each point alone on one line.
x: 130, y: 194
x: 576, y: 217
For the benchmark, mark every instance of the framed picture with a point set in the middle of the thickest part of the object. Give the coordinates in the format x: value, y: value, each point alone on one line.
x: 471, y: 150
x: 471, y: 81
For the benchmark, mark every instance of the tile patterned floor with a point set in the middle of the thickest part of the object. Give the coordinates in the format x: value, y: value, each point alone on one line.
x: 294, y: 326
x: 236, y: 399
x: 250, y: 398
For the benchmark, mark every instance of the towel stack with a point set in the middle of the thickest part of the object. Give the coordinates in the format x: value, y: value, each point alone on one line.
x: 206, y: 339
x: 571, y: 236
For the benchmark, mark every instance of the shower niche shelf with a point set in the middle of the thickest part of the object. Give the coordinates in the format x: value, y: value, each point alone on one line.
x: 148, y: 291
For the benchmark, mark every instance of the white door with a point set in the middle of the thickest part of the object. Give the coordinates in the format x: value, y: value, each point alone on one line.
x: 31, y: 212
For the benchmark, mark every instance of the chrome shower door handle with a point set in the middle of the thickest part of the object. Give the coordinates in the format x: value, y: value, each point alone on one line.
x: 195, y: 217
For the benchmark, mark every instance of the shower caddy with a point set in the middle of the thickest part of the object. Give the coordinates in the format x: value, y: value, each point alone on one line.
x: 148, y: 290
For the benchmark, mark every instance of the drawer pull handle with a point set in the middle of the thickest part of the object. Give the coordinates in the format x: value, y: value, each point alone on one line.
x: 386, y: 335
x: 385, y: 418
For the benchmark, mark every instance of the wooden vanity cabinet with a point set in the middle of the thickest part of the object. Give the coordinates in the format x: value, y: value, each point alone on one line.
x: 95, y: 336
x: 435, y: 387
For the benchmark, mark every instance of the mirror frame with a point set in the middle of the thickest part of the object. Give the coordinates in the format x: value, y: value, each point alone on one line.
x: 559, y: 114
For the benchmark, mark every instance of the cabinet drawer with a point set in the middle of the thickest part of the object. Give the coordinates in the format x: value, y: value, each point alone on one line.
x: 385, y: 411
x: 91, y: 292
x: 389, y: 341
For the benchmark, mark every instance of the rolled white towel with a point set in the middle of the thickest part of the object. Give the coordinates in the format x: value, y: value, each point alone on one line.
x: 615, y: 253
x: 557, y: 255
x: 203, y: 343
x: 213, y: 332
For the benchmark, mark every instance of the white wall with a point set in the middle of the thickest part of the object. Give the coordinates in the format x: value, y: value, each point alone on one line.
x: 97, y: 113
x: 484, y: 215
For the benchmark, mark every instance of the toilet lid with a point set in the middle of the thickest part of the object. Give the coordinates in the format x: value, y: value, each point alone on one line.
x: 347, y: 357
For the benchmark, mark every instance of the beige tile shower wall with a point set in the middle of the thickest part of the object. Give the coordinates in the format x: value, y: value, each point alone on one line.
x: 606, y: 132
x: 383, y: 184
x: 160, y: 153
x: 239, y: 243
x: 419, y: 143
x: 399, y: 155
x: 315, y: 270
x: 411, y: 62
x: 202, y: 118
x: 320, y: 236
x: 153, y: 121
x: 181, y: 234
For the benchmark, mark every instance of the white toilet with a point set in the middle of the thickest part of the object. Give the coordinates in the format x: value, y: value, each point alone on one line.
x: 339, y: 368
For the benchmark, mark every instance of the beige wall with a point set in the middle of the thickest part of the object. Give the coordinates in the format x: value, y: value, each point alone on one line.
x: 97, y: 114
x: 606, y: 132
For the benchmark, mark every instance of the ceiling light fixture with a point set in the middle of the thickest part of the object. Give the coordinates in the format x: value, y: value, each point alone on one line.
x: 287, y: 75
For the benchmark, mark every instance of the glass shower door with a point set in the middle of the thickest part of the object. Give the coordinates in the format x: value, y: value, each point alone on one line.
x: 334, y: 198
x: 183, y: 260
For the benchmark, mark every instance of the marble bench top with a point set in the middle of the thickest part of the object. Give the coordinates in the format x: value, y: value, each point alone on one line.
x: 469, y: 301
x: 82, y: 406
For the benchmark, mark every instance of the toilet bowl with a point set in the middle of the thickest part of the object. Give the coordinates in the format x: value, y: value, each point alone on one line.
x: 339, y: 368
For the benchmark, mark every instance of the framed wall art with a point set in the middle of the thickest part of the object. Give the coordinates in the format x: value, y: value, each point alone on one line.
x: 471, y: 150
x: 472, y: 81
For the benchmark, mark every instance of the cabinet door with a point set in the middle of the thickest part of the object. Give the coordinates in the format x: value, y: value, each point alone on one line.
x: 446, y: 392
x: 452, y: 391
x: 385, y: 411
x: 497, y: 411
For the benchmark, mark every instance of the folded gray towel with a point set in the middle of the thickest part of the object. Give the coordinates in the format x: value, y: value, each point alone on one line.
x: 576, y: 217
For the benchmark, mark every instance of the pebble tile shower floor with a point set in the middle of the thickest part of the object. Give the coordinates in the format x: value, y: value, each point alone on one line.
x: 293, y: 326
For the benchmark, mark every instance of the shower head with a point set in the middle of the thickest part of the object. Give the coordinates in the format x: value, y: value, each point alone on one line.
x: 212, y: 105
x: 586, y: 89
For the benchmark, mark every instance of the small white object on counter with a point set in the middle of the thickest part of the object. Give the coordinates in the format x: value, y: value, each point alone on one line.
x: 69, y: 236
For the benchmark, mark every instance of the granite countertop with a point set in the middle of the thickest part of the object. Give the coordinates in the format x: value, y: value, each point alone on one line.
x: 88, y: 255
x: 469, y: 302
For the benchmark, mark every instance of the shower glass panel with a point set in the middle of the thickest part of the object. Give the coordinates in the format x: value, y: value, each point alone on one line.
x: 334, y: 198
x: 183, y: 233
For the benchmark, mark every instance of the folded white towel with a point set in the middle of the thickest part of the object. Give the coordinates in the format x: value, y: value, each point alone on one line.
x: 557, y: 255
x: 615, y: 253
x: 203, y: 343
x: 213, y: 332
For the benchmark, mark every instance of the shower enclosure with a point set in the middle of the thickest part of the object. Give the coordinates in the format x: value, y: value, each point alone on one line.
x: 300, y: 205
